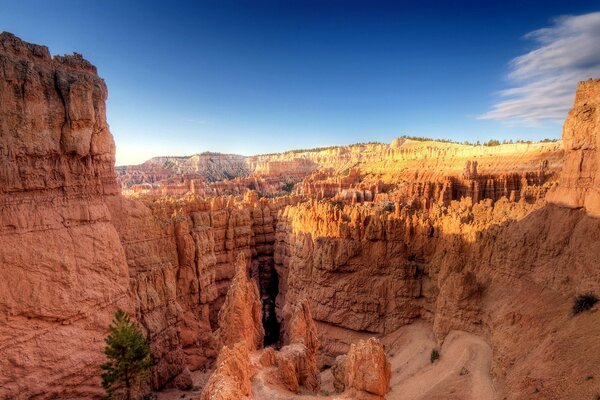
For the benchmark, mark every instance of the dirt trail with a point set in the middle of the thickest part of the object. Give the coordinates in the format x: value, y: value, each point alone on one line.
x: 461, y: 372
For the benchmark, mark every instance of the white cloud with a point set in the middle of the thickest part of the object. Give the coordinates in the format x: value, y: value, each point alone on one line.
x: 544, y: 79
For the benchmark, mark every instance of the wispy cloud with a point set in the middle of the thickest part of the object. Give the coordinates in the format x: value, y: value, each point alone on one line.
x: 544, y: 79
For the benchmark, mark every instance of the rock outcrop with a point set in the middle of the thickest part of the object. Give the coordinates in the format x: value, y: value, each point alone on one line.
x: 63, y: 270
x: 240, y: 317
x: 302, y: 344
x: 232, y: 377
x: 365, y: 369
x: 579, y: 180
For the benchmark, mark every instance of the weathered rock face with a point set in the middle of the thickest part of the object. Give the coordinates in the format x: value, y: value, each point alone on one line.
x: 208, y: 166
x: 301, y: 347
x: 424, y: 171
x: 458, y: 236
x: 489, y: 268
x: 580, y: 180
x: 63, y: 270
x: 363, y: 264
x: 232, y: 377
x: 157, y: 280
x: 240, y: 317
x: 486, y: 268
x: 364, y: 369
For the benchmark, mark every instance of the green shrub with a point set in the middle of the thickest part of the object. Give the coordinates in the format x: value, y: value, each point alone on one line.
x: 435, y: 355
x: 584, y: 302
x: 128, y: 356
x: 492, y: 142
x: 288, y: 187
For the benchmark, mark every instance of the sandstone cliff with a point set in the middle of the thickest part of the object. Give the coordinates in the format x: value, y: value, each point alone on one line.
x: 484, y: 245
x: 580, y: 180
x: 496, y: 268
x: 427, y: 171
x: 63, y: 269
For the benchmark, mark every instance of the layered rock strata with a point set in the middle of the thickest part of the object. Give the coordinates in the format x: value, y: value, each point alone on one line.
x: 377, y: 237
x: 63, y: 270
x: 579, y: 179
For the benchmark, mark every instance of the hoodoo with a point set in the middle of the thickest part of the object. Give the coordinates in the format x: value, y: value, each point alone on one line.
x: 418, y: 269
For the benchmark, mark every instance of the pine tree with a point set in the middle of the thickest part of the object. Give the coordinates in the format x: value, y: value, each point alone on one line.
x: 128, y: 356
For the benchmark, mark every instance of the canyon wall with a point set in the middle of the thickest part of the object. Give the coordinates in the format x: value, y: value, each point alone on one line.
x: 506, y: 268
x: 492, y: 240
x: 580, y: 180
x: 361, y: 170
x: 62, y: 267
x: 74, y: 249
x: 208, y: 166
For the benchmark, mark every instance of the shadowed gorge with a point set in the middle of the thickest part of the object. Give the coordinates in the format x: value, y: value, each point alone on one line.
x: 417, y: 269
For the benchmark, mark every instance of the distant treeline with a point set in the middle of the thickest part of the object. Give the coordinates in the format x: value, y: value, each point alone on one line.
x: 316, y: 149
x: 491, y: 142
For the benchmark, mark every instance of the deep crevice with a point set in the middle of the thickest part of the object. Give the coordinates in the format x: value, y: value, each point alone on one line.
x: 268, y: 281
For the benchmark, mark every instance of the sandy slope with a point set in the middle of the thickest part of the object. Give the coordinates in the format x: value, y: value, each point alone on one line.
x: 461, y: 373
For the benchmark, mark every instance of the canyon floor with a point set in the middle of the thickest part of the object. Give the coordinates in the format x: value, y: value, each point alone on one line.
x: 461, y: 373
x: 325, y: 272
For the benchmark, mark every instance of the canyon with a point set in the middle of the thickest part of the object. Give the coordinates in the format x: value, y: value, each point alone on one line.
x: 333, y: 272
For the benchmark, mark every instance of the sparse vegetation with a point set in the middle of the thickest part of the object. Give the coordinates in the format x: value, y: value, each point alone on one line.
x: 316, y: 149
x: 492, y: 142
x: 128, y: 356
x: 288, y: 187
x: 546, y: 140
x: 426, y: 139
x: 435, y: 355
x: 584, y: 302
x: 337, y: 204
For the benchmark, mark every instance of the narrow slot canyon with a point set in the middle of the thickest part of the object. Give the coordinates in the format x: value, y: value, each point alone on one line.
x: 268, y: 283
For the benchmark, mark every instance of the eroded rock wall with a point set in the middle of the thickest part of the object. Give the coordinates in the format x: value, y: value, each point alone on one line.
x: 459, y: 236
x: 505, y: 267
x: 63, y: 270
x: 580, y: 180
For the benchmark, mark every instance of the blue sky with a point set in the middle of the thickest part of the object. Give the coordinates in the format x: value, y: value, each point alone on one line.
x: 262, y: 76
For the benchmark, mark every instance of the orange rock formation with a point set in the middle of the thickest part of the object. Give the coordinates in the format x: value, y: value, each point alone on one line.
x: 364, y: 369
x: 62, y: 267
x: 240, y: 317
x: 580, y: 180
x: 482, y: 248
x: 232, y: 377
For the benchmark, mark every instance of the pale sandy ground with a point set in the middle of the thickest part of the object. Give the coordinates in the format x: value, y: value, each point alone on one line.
x: 461, y: 373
